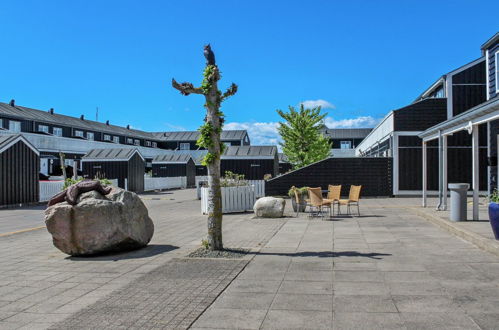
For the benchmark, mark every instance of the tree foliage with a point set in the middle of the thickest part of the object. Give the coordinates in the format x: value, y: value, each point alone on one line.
x: 303, y: 142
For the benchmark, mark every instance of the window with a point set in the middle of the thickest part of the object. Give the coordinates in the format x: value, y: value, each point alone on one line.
x: 57, y: 131
x: 346, y: 145
x: 148, y: 143
x: 1, y: 123
x: 129, y: 141
x: 227, y: 144
x: 79, y: 133
x: 185, y: 146
x: 136, y: 142
x: 43, y: 128
x: 497, y: 71
x: 154, y: 144
x: 116, y: 139
x: 15, y: 126
x: 90, y: 136
x: 107, y: 137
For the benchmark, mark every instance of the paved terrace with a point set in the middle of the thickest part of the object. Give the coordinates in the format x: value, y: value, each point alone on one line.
x: 389, y: 268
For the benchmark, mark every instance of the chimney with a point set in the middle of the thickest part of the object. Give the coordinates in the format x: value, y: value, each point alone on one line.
x: 82, y: 117
x: 107, y: 122
x: 12, y: 103
x: 51, y: 111
x: 127, y: 126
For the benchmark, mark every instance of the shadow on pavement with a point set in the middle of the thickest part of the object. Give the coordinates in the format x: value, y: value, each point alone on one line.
x: 148, y: 251
x: 327, y: 254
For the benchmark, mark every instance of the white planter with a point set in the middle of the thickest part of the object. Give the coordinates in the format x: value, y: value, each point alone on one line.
x: 234, y: 199
x: 158, y: 183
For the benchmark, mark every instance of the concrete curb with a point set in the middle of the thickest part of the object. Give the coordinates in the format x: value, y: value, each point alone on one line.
x: 486, y: 244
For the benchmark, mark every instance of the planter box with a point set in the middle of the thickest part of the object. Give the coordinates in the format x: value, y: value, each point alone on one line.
x: 234, y: 199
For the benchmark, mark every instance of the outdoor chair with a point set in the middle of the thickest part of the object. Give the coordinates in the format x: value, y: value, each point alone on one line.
x: 300, y: 202
x: 353, y: 199
x: 333, y: 195
x: 317, y: 203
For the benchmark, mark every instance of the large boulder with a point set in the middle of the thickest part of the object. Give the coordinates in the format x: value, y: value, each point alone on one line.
x: 269, y: 207
x: 118, y: 221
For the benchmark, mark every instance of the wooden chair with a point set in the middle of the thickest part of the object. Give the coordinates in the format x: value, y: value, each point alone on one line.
x: 353, y: 199
x: 334, y: 195
x: 317, y: 203
x: 300, y: 202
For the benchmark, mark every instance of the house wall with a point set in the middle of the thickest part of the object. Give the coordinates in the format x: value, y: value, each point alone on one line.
x: 19, y: 170
x: 109, y: 170
x: 469, y: 88
x: 421, y: 115
x: 491, y: 70
x: 374, y: 174
x: 253, y: 169
x: 353, y: 142
x: 136, y: 171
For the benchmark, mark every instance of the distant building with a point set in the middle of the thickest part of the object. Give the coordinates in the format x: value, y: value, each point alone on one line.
x: 345, y: 140
x: 186, y: 140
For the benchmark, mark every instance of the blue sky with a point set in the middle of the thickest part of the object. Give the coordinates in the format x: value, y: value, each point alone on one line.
x: 359, y: 58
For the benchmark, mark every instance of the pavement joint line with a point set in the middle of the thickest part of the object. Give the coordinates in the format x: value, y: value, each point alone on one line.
x: 477, y: 240
x: 21, y: 231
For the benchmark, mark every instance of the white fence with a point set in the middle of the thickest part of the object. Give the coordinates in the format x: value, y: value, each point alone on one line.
x: 234, y: 199
x: 50, y: 188
x: 165, y: 183
x: 258, y: 184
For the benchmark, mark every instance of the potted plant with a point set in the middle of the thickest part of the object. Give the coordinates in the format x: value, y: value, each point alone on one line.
x: 302, y: 194
x: 494, y: 212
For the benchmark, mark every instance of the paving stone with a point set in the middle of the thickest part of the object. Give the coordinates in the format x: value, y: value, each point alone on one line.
x: 361, y: 288
x: 381, y: 321
x: 286, y: 319
x: 372, y: 304
x: 437, y: 321
x: 303, y: 302
x: 216, y: 318
x: 429, y: 304
x: 306, y: 287
x: 244, y: 300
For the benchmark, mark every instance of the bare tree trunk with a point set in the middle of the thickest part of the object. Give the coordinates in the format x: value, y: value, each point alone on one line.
x: 62, y: 159
x: 210, y: 138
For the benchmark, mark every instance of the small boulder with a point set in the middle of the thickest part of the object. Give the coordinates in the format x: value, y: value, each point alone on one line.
x: 117, y: 222
x: 269, y: 207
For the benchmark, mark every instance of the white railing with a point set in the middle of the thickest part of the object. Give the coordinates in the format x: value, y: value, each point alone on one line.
x: 259, y: 187
x: 258, y: 184
x: 165, y: 183
x: 234, y: 199
x: 114, y: 182
x: 49, y: 188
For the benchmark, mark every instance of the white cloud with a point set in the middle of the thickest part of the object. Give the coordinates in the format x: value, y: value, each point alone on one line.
x: 359, y: 122
x: 260, y: 133
x: 265, y: 133
x: 318, y: 103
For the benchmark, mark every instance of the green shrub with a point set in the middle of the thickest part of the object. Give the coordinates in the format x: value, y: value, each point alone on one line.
x: 70, y: 181
x: 303, y: 191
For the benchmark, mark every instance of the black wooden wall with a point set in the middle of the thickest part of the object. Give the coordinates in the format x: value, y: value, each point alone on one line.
x: 469, y: 88
x: 285, y: 168
x: 421, y: 115
x: 174, y: 170
x: 136, y: 171
x: 374, y: 174
x: 459, y: 158
x: 19, y: 170
x: 253, y: 169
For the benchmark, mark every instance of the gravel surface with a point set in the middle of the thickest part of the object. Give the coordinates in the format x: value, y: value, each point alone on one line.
x: 226, y: 253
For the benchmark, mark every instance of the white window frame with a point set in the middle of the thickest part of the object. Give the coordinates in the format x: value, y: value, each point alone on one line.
x: 496, y: 63
x: 78, y: 133
x: 183, y: 144
x: 43, y: 128
x: 136, y: 142
x: 129, y: 140
x: 90, y: 136
x: 154, y: 144
x: 17, y: 128
x: 148, y: 143
x: 346, y: 142
x: 107, y: 137
x: 116, y: 139
x: 57, y: 129
x: 1, y: 123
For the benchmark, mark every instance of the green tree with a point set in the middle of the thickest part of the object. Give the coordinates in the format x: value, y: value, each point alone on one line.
x: 303, y: 142
x: 210, y: 139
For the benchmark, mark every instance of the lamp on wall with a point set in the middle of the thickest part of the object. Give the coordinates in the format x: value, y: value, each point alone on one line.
x: 469, y: 128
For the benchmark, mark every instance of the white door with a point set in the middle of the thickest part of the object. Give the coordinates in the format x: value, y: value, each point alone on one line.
x: 44, y: 166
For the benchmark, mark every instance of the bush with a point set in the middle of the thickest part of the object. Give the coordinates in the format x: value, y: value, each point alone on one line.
x: 233, y: 180
x: 303, y: 191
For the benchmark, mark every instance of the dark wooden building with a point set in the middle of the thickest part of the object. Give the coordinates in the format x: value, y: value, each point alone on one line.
x: 252, y: 161
x: 122, y: 164
x: 374, y: 174
x: 174, y: 165
x: 345, y: 138
x: 284, y: 164
x: 19, y: 171
x: 186, y: 140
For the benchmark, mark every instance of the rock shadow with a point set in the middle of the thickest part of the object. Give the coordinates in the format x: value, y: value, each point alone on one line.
x: 145, y: 252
